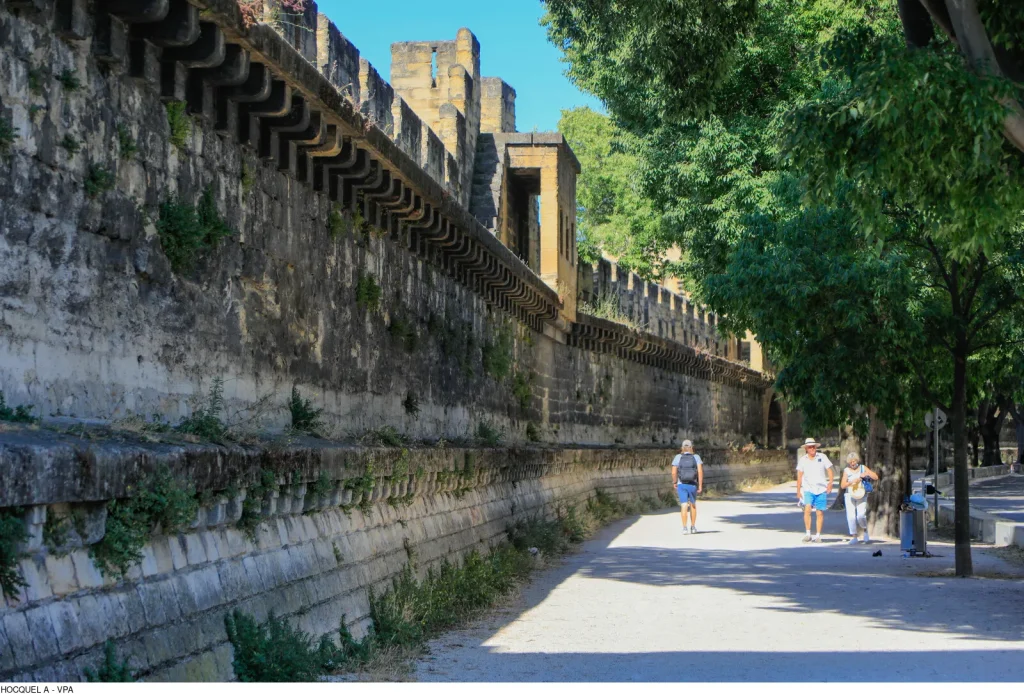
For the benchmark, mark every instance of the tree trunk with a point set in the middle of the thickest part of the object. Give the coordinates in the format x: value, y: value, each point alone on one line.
x: 1020, y: 440
x: 962, y: 505
x: 889, y: 459
x: 990, y: 424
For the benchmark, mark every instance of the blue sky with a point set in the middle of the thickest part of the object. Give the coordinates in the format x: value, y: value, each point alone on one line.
x: 513, y: 46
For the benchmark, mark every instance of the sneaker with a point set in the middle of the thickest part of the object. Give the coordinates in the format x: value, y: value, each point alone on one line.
x: 686, y: 531
x: 816, y: 538
x: 807, y: 538
x: 866, y: 538
x: 853, y: 541
x: 693, y: 530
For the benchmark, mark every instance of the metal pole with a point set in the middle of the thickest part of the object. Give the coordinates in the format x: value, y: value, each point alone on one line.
x: 935, y: 422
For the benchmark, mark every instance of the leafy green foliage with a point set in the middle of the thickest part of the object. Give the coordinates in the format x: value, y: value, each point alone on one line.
x: 275, y: 651
x: 368, y: 292
x: 22, y: 414
x: 322, y: 487
x: 12, y: 535
x: 177, y: 124
x: 99, y: 180
x: 205, y: 420
x: 252, y: 505
x: 642, y: 56
x: 336, y: 223
x: 125, y: 142
x: 615, y: 216
x: 55, y: 532
x: 157, y: 499
x: 404, y: 332
x: 187, y: 232
x: 522, y: 389
x: 386, y: 436
x: 911, y: 129
x: 69, y: 81
x: 111, y: 670
x: 305, y: 417
x: 488, y: 435
x: 498, y: 353
x: 8, y: 134
x: 36, y: 78
x: 70, y: 145
x: 532, y: 434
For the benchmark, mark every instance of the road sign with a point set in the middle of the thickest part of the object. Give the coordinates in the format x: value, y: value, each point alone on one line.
x: 938, y: 416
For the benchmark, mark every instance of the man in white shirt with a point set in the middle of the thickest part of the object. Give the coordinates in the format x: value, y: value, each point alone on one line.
x: 814, y: 476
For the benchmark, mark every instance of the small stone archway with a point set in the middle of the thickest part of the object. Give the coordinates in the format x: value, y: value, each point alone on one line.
x: 775, y: 424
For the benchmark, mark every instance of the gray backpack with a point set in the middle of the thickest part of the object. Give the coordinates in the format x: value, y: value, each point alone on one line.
x: 687, y: 464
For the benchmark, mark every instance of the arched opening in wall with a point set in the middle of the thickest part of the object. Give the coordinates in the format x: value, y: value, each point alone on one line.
x: 775, y: 435
x: 433, y: 67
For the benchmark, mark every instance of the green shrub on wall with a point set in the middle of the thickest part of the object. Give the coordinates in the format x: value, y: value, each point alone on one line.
x: 157, y: 500
x: 186, y: 231
x: 12, y: 535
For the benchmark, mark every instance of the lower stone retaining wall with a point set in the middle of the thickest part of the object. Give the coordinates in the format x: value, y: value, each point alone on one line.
x: 312, y: 559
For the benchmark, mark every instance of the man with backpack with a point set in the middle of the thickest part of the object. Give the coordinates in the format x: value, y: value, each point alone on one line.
x: 688, y: 479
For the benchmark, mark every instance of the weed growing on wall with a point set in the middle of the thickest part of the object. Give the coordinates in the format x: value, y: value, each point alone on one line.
x: 70, y: 145
x: 126, y: 146
x: 177, y: 123
x: 532, y: 434
x: 367, y: 292
x: 362, y: 486
x: 158, y: 499
x: 186, y: 232
x: 55, y: 533
x: 69, y: 81
x: 22, y: 414
x: 99, y: 180
x: 410, y: 611
x: 497, y: 353
x: 8, y: 135
x: 111, y: 670
x: 252, y: 506
x: 404, y: 332
x: 275, y: 651
x: 606, y: 306
x: 12, y: 535
x: 411, y: 404
x: 336, y: 225
x: 522, y: 389
x: 305, y: 417
x: 247, y: 179
x: 488, y: 435
x: 386, y: 436
x: 321, y: 488
x: 205, y: 420
x: 36, y: 79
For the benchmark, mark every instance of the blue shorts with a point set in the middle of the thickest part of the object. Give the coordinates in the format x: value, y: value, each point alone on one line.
x: 819, y: 502
x: 687, y: 493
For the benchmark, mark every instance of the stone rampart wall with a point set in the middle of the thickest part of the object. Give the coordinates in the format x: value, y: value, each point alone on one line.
x: 97, y: 324
x: 314, y: 557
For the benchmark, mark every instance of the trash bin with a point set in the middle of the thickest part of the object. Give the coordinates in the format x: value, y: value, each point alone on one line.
x: 912, y: 532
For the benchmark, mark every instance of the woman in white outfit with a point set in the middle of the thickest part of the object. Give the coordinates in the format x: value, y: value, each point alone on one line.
x: 856, y: 495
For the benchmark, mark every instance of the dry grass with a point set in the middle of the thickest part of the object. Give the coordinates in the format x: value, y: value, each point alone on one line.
x: 1011, y: 555
x: 951, y: 573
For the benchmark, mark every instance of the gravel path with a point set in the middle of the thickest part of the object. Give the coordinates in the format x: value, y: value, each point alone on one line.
x: 744, y: 600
